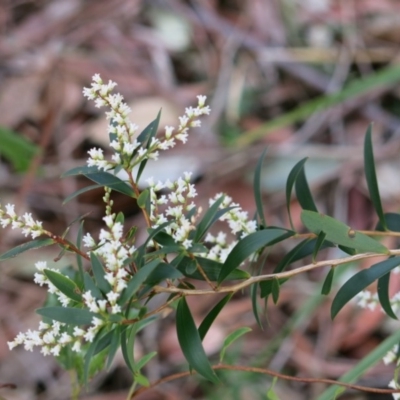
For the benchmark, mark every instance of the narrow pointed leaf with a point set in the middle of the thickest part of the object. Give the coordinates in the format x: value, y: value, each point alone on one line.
x: 89, y: 356
x: 114, y: 346
x: 111, y: 181
x: 190, y: 342
x: 275, y: 290
x: 360, y: 281
x: 257, y: 189
x: 383, y: 295
x: 98, y: 272
x: 370, y: 175
x: 289, y: 186
x: 163, y: 272
x: 78, y: 256
x: 249, y: 245
x: 33, y: 244
x: 231, y: 338
x: 142, y: 199
x: 81, y: 191
x: 138, y: 279
x: 320, y: 240
x: 392, y: 222
x: 303, y: 192
x: 127, y: 343
x: 339, y: 233
x: 144, y: 360
x: 91, y: 286
x: 68, y: 315
x: 64, y: 285
x: 210, y: 318
x: 327, y: 286
x: 205, y: 223
x: 149, y: 132
x: 82, y: 170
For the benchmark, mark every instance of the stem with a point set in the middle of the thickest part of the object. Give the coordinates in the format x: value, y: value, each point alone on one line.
x: 269, y: 372
x: 281, y: 275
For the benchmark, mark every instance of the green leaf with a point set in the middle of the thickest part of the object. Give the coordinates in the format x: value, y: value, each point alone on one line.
x: 210, y: 318
x: 90, y: 354
x: 144, y: 360
x: 257, y: 189
x: 370, y: 175
x: 68, y: 315
x: 141, y: 379
x: 16, y: 149
x: 366, y: 363
x: 327, y: 286
x: 98, y: 272
x: 80, y: 191
x: 289, y: 186
x: 111, y: 181
x: 360, y: 281
x: 114, y: 345
x: 148, y: 133
x: 127, y: 343
x: 320, y: 240
x: 392, y: 222
x: 271, y: 395
x: 275, y: 290
x: 209, y: 218
x: 232, y: 337
x: 78, y: 256
x: 249, y: 245
x: 163, y: 272
x: 303, y: 192
x: 383, y: 295
x: 91, y: 286
x: 339, y: 233
x: 211, y: 268
x: 64, y: 285
x: 142, y: 199
x: 190, y: 342
x: 138, y: 279
x: 33, y: 244
x: 82, y: 170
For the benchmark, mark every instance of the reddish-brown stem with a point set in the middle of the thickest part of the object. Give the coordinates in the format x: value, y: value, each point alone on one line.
x: 67, y: 244
x: 269, y: 372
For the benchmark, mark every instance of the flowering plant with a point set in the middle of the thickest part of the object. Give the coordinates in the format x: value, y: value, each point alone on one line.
x: 101, y: 305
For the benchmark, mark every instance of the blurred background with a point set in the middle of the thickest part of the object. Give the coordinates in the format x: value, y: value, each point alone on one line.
x: 304, y: 78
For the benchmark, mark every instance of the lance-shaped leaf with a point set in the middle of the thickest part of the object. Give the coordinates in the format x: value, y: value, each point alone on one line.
x: 34, y: 244
x: 210, y: 318
x: 137, y: 280
x: 127, y: 342
x: 68, y: 315
x: 98, y: 272
x: 339, y: 233
x: 360, y: 281
x: 383, y: 295
x: 64, y: 285
x: 257, y: 189
x: 370, y: 175
x: 392, y: 222
x: 190, y: 342
x: 82, y: 170
x: 249, y: 245
x: 303, y: 192
x: 146, y: 136
x: 289, y: 186
x: 81, y: 191
x: 111, y: 181
x: 327, y: 286
x: 232, y: 337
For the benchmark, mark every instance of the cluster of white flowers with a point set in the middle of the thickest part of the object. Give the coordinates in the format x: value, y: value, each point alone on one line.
x: 238, y: 222
x: 28, y: 225
x: 179, y: 202
x: 41, y: 279
x: 51, y: 338
x: 128, y: 150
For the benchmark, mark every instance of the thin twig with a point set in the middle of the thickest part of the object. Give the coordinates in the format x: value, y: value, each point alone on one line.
x: 269, y: 372
x: 281, y: 275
